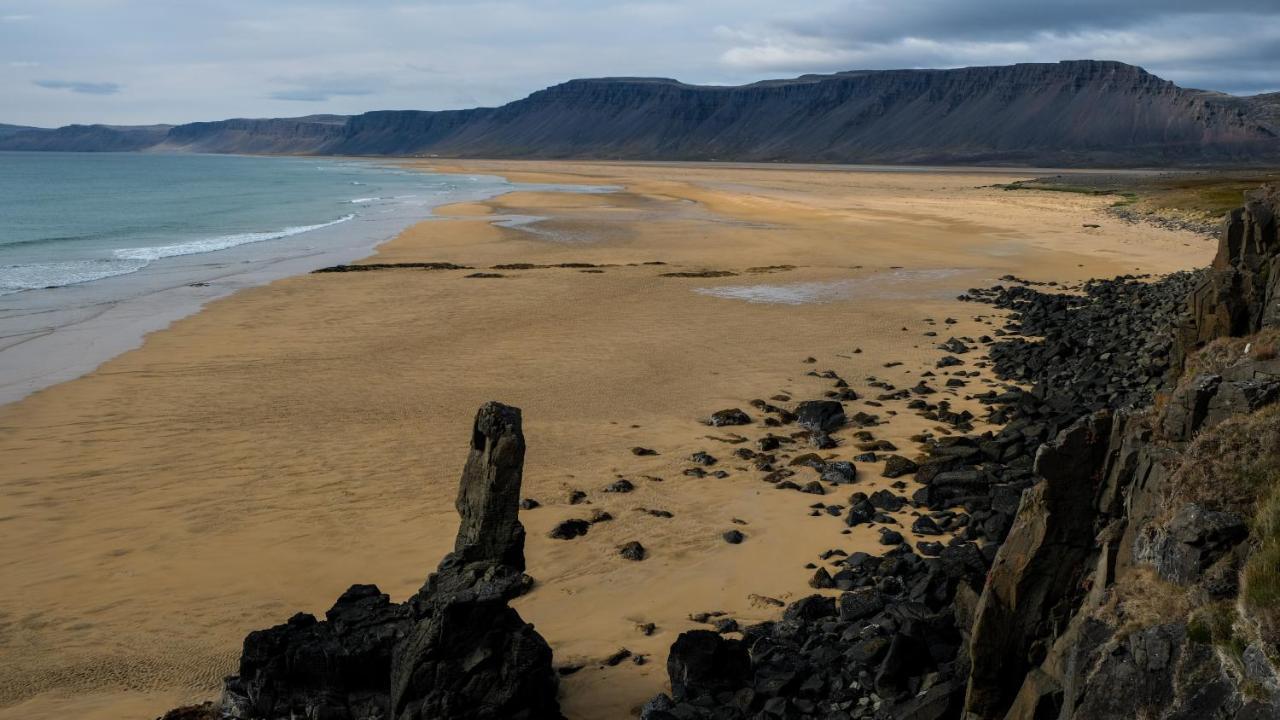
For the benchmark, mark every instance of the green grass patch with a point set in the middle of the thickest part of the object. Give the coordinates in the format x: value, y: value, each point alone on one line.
x: 1215, y: 624
x: 1262, y: 571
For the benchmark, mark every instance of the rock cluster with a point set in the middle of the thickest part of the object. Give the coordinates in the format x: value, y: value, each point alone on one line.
x: 453, y: 650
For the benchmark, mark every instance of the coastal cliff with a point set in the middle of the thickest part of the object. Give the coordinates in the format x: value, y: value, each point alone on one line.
x: 1072, y: 113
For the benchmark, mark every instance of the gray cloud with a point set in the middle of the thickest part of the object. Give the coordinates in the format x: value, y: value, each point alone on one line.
x: 76, y: 86
x: 247, y: 58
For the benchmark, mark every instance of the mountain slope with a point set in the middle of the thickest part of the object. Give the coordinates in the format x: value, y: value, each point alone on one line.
x: 7, y: 130
x: 86, y: 138
x: 1069, y: 113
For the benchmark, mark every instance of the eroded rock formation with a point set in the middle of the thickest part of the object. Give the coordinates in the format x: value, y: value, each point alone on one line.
x: 453, y: 650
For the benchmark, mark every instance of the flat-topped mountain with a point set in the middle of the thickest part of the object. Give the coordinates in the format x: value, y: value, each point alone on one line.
x: 1069, y: 113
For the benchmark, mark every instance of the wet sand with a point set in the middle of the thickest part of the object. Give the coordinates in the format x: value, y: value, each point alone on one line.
x: 262, y: 455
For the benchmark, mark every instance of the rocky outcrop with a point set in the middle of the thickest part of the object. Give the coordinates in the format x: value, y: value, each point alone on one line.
x: 1240, y: 294
x: 1033, y: 585
x: 1082, y: 112
x: 1152, y: 626
x: 454, y: 650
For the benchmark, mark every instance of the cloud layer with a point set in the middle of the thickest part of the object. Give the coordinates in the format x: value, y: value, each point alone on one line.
x: 79, y: 86
x: 145, y: 61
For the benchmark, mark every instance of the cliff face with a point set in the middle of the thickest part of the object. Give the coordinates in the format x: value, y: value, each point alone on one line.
x: 1066, y: 113
x: 283, y: 136
x: 1169, y: 539
x: 1069, y: 113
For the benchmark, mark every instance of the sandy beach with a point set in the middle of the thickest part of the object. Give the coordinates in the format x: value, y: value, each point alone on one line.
x: 259, y: 457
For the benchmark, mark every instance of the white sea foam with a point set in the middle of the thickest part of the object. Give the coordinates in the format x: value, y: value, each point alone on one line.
x: 33, y: 276
x: 224, y: 242
x: 361, y: 201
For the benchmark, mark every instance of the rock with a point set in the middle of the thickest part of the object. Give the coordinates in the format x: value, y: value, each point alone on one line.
x: 924, y: 525
x: 730, y: 417
x: 821, y: 579
x: 726, y: 625
x: 822, y: 441
x: 1038, y: 568
x: 813, y: 487
x: 820, y: 416
x: 1186, y: 410
x: 1238, y: 295
x: 529, y: 504
x: 203, y: 711
x: 860, y: 604
x: 1189, y: 543
x: 569, y: 529
x: 703, y: 458
x: 890, y: 537
x: 887, y: 501
x: 617, y: 657
x: 643, y: 451
x: 734, y: 537
x: 813, y: 607
x: 633, y: 551
x: 839, y: 472
x: 620, y: 486
x: 897, y: 466
x: 701, y: 662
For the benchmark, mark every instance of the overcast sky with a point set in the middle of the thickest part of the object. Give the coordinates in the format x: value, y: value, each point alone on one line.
x: 148, y: 61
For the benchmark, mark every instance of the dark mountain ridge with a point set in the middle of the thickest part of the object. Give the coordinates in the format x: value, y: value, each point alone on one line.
x: 1071, y: 113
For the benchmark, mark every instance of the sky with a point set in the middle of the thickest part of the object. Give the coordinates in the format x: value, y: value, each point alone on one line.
x: 151, y: 61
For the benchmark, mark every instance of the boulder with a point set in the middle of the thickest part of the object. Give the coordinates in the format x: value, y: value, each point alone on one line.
x: 725, y: 418
x: 896, y: 466
x: 704, y: 662
x: 820, y: 416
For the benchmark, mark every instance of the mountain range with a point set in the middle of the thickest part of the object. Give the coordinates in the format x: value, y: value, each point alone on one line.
x: 1071, y: 113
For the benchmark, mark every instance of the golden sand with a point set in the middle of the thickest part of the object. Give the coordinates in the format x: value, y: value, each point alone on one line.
x: 258, y: 457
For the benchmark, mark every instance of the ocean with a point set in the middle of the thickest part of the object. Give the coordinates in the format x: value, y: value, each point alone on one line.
x: 68, y: 218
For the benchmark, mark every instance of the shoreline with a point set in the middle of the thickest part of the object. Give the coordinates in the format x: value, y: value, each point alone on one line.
x: 335, y: 477
x: 57, y: 334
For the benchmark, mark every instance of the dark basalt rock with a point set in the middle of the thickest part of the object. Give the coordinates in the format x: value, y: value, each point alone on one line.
x: 1189, y: 543
x: 1038, y: 568
x: 454, y: 650
x: 633, y: 551
x: 732, y: 416
x: 704, y: 662
x: 820, y: 416
x: 1239, y: 294
x: 896, y: 466
x: 569, y: 529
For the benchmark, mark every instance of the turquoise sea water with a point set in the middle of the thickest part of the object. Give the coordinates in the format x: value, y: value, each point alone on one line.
x: 69, y: 218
